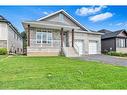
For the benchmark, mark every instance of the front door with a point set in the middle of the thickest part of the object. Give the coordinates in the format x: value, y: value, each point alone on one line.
x: 66, y: 39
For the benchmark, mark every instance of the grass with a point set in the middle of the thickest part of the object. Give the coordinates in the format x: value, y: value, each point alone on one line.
x: 59, y: 73
x: 3, y: 56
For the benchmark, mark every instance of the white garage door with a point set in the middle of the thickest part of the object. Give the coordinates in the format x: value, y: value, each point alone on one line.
x: 79, y: 46
x: 92, y: 47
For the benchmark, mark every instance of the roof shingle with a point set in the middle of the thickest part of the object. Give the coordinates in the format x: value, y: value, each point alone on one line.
x: 110, y: 34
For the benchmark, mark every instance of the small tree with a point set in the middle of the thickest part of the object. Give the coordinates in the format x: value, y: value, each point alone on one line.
x: 24, y: 36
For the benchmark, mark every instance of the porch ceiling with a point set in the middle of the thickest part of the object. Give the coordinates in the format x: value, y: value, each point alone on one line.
x: 49, y: 24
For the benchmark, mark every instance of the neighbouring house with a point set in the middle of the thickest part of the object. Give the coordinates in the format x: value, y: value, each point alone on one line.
x: 10, y: 38
x: 59, y: 33
x: 114, y: 40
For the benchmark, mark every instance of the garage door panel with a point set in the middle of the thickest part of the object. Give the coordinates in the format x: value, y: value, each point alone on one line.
x: 92, y: 47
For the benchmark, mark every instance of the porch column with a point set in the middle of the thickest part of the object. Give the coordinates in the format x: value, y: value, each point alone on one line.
x: 61, y: 32
x: 72, y: 37
x: 28, y: 35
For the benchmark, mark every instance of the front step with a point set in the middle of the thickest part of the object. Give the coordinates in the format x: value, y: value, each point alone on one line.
x: 70, y: 52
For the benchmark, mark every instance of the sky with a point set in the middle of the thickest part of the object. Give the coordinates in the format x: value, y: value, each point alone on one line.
x: 92, y: 17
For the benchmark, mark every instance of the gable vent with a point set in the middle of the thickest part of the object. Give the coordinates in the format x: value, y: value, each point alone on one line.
x: 61, y: 17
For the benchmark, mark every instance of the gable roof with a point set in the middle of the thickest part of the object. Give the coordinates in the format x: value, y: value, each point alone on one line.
x: 113, y: 34
x: 69, y: 16
x: 2, y: 19
x: 104, y: 31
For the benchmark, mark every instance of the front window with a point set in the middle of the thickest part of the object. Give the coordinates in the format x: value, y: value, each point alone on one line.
x: 49, y: 37
x: 44, y: 37
x: 38, y: 37
x: 121, y: 43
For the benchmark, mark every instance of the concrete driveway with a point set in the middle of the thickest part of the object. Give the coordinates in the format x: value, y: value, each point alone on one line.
x: 105, y: 59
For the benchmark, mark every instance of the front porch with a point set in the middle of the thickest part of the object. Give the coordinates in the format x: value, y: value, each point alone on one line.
x: 50, y: 41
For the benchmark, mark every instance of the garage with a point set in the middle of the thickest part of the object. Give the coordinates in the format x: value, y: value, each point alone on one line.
x: 92, y: 47
x: 79, y: 46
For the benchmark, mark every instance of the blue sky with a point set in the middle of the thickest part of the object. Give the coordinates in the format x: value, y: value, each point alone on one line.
x: 92, y: 17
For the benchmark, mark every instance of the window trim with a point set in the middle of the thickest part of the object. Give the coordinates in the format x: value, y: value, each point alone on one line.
x: 37, y: 39
x: 47, y: 37
x: 121, y: 43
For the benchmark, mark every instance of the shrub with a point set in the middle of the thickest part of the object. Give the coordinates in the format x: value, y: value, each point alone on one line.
x: 105, y: 52
x: 3, y: 51
x: 113, y: 53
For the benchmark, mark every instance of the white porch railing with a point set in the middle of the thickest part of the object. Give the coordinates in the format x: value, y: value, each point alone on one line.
x: 53, y: 46
x: 52, y: 43
x: 76, y: 48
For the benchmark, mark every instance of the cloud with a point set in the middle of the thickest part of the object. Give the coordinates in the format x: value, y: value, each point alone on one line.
x: 126, y: 24
x: 121, y: 24
x: 45, y: 13
x: 100, y: 17
x: 84, y: 11
x: 110, y: 24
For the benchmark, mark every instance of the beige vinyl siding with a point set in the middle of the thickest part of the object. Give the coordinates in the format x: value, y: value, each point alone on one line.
x: 3, y: 31
x: 15, y: 42
x: 65, y: 20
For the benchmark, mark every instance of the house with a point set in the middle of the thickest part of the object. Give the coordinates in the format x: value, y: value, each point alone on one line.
x: 114, y: 41
x: 59, y: 33
x: 10, y: 38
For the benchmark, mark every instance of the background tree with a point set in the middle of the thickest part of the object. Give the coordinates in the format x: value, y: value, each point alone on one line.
x: 23, y: 34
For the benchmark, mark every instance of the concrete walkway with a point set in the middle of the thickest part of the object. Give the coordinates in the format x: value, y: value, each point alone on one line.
x: 105, y: 59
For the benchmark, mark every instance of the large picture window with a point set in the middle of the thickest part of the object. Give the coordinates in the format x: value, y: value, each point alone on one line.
x: 44, y: 37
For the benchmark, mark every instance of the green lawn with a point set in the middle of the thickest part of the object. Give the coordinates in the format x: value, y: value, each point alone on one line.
x: 59, y: 73
x: 2, y: 56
